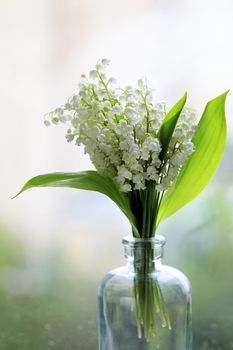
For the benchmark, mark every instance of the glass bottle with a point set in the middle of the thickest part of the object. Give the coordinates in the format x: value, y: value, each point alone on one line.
x: 145, y: 305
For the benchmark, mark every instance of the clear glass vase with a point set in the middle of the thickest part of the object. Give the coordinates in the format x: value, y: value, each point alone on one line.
x: 145, y: 305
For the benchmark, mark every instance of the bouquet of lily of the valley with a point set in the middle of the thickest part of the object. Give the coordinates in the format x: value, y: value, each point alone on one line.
x: 149, y: 161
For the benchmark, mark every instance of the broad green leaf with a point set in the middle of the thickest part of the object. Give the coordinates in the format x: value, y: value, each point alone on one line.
x: 86, y: 180
x: 209, y: 141
x: 169, y: 123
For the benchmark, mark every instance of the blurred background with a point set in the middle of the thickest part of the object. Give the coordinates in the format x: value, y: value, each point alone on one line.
x: 56, y: 244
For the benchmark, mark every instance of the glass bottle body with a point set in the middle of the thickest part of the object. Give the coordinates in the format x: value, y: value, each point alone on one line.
x: 145, y: 305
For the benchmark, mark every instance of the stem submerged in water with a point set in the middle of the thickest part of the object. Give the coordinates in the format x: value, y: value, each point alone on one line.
x: 150, y: 306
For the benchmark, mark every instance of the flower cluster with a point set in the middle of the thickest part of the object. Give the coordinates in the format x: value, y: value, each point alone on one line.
x: 119, y: 130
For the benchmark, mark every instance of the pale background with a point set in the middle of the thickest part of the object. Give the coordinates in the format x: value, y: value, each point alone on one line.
x: 178, y: 45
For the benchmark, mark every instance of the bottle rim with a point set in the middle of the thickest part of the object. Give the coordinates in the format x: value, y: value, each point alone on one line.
x: 157, y: 240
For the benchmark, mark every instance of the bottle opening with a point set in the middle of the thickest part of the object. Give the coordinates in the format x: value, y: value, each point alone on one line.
x: 132, y: 241
x: 143, y: 251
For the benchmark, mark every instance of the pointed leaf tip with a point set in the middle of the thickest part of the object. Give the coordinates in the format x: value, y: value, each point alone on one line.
x: 17, y: 194
x: 220, y: 97
x: 85, y: 180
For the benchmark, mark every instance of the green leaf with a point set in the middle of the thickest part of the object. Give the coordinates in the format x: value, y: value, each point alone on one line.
x: 86, y: 180
x: 209, y: 141
x: 169, y: 123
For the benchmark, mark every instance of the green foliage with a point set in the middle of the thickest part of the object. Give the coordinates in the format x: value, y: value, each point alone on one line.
x: 86, y: 180
x: 169, y: 123
x: 145, y: 209
x: 209, y: 141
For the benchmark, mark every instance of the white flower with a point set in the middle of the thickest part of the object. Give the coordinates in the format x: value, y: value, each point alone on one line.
x: 178, y: 159
x: 94, y: 131
x: 105, y: 62
x: 138, y: 178
x: 123, y: 145
x: 112, y: 81
x: 172, y: 172
x: 117, y: 109
x: 152, y: 173
x: 136, y: 167
x: 124, y: 173
x: 141, y: 84
x: 93, y: 74
x: 47, y: 122
x: 119, y: 131
x: 160, y: 188
x: 101, y: 137
x: 140, y: 186
x: 145, y: 153
x: 140, y: 132
x: 126, y: 187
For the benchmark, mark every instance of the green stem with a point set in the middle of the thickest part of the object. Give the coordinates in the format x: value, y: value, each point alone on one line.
x: 144, y: 215
x: 105, y: 87
x: 144, y: 205
x: 151, y: 310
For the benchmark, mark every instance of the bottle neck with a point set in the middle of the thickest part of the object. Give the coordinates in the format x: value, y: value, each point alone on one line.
x: 143, y: 255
